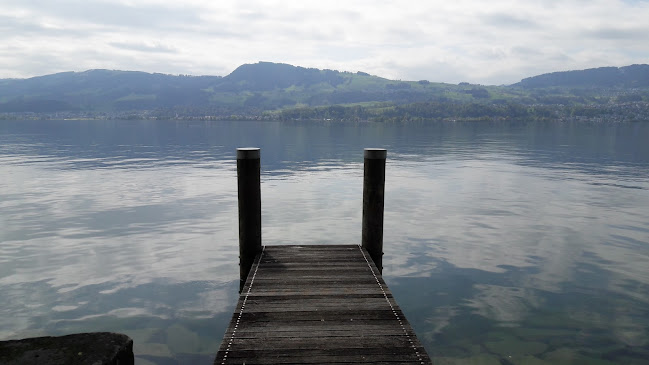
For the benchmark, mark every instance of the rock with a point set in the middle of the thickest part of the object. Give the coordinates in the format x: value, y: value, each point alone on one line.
x: 97, y: 348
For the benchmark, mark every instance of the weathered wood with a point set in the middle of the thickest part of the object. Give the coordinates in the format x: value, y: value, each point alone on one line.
x: 373, y: 202
x: 324, y: 356
x: 318, y: 305
x: 249, y: 194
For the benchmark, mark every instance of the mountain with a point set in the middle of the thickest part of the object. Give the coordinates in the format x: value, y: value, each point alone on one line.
x: 250, y: 88
x: 254, y: 89
x: 102, y: 90
x: 634, y: 76
x: 265, y: 76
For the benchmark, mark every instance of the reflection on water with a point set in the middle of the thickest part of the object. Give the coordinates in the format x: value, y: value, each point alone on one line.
x: 504, y: 243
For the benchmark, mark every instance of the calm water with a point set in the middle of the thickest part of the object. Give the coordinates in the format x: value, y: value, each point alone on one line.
x: 504, y: 243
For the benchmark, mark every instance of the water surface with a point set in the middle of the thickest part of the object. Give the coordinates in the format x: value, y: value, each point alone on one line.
x: 505, y: 243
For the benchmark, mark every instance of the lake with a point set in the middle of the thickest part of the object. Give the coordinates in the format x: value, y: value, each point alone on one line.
x: 505, y: 243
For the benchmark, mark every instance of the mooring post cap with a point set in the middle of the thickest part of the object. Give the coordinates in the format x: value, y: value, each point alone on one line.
x: 248, y: 153
x: 376, y: 153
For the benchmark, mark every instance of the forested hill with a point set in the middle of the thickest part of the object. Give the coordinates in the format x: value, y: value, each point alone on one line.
x: 634, y: 76
x: 250, y: 88
x: 255, y: 90
x: 265, y: 76
x: 101, y: 90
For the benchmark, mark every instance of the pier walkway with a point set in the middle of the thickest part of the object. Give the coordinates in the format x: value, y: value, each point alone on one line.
x: 317, y: 305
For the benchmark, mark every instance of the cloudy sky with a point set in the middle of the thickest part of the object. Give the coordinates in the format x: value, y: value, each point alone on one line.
x: 489, y: 42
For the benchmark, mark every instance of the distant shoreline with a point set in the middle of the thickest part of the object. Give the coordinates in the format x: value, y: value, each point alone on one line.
x: 637, y: 111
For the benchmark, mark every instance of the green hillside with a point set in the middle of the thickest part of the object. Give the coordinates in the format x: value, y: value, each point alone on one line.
x: 273, y: 89
x: 249, y: 88
x: 105, y: 90
x: 634, y: 76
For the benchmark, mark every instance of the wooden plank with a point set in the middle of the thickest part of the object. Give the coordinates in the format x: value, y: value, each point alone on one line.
x: 311, y: 343
x: 331, y: 315
x: 322, y: 289
x: 306, y: 332
x: 322, y: 356
x: 318, y: 305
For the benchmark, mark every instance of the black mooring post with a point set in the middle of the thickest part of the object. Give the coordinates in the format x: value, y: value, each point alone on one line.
x: 249, y: 185
x: 373, y: 197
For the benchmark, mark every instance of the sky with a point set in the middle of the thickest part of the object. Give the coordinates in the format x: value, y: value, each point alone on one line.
x: 488, y: 42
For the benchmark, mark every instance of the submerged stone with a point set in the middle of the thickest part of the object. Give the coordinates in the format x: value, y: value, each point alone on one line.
x: 528, y: 360
x: 511, y: 346
x: 471, y: 360
x: 574, y: 356
x: 97, y: 348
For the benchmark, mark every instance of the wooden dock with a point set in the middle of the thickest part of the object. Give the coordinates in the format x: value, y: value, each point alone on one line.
x: 317, y: 305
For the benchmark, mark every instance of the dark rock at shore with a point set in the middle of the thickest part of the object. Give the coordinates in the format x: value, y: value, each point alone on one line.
x: 97, y: 348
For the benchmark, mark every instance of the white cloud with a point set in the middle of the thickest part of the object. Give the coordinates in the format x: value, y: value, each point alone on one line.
x: 465, y: 40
